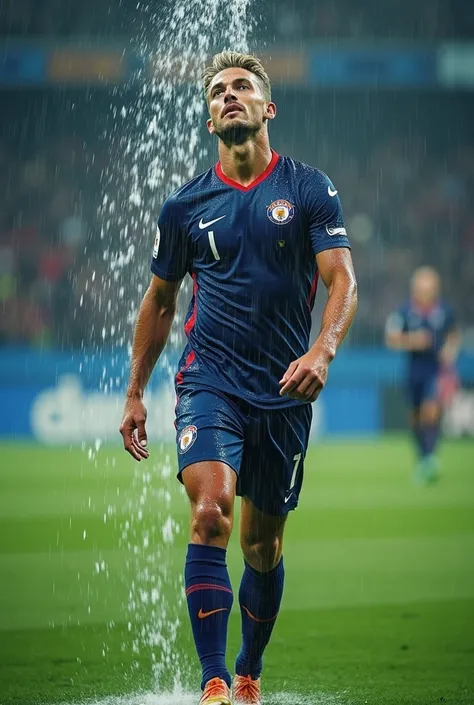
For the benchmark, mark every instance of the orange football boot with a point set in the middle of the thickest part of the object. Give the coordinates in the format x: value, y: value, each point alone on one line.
x: 216, y: 692
x: 247, y: 691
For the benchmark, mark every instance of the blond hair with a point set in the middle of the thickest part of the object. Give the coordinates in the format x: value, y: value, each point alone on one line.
x: 232, y: 59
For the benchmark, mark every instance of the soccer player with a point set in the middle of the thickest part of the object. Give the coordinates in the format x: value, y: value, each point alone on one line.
x: 255, y: 232
x: 425, y: 328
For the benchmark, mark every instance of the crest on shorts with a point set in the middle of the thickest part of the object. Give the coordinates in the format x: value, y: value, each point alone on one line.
x: 280, y: 212
x: 156, y: 246
x: 187, y: 438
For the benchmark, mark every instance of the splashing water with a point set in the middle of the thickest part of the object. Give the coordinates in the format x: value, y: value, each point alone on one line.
x: 179, y: 697
x: 155, y: 144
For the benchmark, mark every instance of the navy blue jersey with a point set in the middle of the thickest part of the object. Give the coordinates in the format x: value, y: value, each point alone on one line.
x: 439, y: 321
x: 251, y: 253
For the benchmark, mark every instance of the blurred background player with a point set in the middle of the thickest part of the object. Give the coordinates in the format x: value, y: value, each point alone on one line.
x: 425, y: 328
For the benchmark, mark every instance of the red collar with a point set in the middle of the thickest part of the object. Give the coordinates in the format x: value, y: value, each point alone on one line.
x: 255, y: 182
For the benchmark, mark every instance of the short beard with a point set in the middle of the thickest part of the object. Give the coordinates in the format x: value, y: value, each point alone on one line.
x: 238, y: 134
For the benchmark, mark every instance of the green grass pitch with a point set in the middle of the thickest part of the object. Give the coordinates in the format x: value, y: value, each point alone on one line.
x: 379, y: 601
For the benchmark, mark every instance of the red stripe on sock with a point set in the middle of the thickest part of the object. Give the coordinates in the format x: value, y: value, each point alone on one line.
x: 206, y: 586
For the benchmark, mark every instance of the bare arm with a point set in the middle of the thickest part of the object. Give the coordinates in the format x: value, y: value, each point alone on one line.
x: 152, y: 329
x: 337, y: 272
x: 450, y: 350
x: 306, y: 377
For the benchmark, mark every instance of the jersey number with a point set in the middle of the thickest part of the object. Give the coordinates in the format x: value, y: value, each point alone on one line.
x: 212, y: 243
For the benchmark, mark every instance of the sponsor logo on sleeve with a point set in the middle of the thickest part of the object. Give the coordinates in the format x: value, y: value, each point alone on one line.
x: 336, y: 231
x: 156, y: 246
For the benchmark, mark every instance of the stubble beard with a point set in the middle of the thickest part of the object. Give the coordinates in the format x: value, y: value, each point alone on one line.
x: 236, y: 134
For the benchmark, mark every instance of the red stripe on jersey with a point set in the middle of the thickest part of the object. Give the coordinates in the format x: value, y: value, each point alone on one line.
x: 189, y: 325
x: 189, y: 361
x: 255, y: 182
x: 312, y: 293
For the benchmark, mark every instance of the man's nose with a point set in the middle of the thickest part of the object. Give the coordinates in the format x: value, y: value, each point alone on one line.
x: 229, y: 94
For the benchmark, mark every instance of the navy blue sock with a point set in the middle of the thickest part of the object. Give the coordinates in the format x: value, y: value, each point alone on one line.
x: 260, y: 597
x: 419, y: 438
x: 431, y: 436
x: 209, y: 596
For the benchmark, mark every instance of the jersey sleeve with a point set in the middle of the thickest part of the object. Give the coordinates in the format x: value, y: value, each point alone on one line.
x: 171, y: 258
x: 396, y: 322
x: 324, y: 211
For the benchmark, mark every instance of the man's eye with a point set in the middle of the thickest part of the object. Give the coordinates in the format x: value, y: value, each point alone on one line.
x: 246, y: 87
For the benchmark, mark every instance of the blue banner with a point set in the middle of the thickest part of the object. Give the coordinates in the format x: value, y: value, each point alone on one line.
x: 58, y: 398
x: 22, y: 64
x: 349, y: 65
x: 380, y: 67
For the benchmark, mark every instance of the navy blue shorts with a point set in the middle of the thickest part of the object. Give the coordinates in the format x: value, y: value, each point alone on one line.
x: 266, y: 448
x: 423, y: 390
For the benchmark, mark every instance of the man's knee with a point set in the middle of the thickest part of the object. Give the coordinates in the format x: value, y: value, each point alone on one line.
x: 262, y: 553
x: 212, y: 521
x: 430, y: 412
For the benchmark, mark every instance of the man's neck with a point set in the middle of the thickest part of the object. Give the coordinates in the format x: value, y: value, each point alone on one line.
x: 243, y: 163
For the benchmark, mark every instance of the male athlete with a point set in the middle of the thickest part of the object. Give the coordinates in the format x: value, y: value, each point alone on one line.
x: 255, y: 232
x: 425, y: 328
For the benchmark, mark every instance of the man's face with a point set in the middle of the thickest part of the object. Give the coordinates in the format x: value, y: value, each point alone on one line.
x: 426, y: 288
x: 237, y: 106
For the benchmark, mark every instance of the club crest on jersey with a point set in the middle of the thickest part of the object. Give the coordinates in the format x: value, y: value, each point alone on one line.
x: 156, y: 246
x: 280, y: 212
x: 187, y: 438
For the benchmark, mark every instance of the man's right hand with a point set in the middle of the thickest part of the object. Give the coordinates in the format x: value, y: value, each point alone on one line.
x: 133, y: 429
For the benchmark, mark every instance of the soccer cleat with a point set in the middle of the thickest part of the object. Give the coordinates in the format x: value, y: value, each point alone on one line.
x: 247, y: 691
x: 427, y: 470
x: 216, y: 692
x: 431, y: 469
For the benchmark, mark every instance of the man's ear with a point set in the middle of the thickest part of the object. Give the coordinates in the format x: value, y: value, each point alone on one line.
x: 210, y: 126
x: 270, y: 111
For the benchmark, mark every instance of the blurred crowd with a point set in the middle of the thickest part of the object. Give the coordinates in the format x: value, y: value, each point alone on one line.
x: 405, y: 209
x: 286, y: 21
x: 406, y: 202
x: 47, y: 208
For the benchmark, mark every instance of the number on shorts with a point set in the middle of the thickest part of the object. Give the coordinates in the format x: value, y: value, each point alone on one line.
x: 296, y: 460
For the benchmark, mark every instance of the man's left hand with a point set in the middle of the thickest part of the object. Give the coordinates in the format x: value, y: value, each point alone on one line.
x: 306, y: 377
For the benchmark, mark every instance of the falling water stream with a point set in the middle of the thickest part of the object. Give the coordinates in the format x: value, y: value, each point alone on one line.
x: 157, y: 141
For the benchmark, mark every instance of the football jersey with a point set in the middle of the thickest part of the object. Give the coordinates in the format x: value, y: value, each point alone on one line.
x: 251, y: 253
x: 438, y: 320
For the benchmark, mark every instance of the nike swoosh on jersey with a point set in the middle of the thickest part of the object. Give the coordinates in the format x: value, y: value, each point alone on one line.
x: 202, y: 225
x: 335, y: 231
x: 203, y: 615
x: 331, y: 192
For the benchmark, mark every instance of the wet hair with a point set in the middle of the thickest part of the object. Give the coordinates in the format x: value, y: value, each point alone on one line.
x: 231, y: 60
